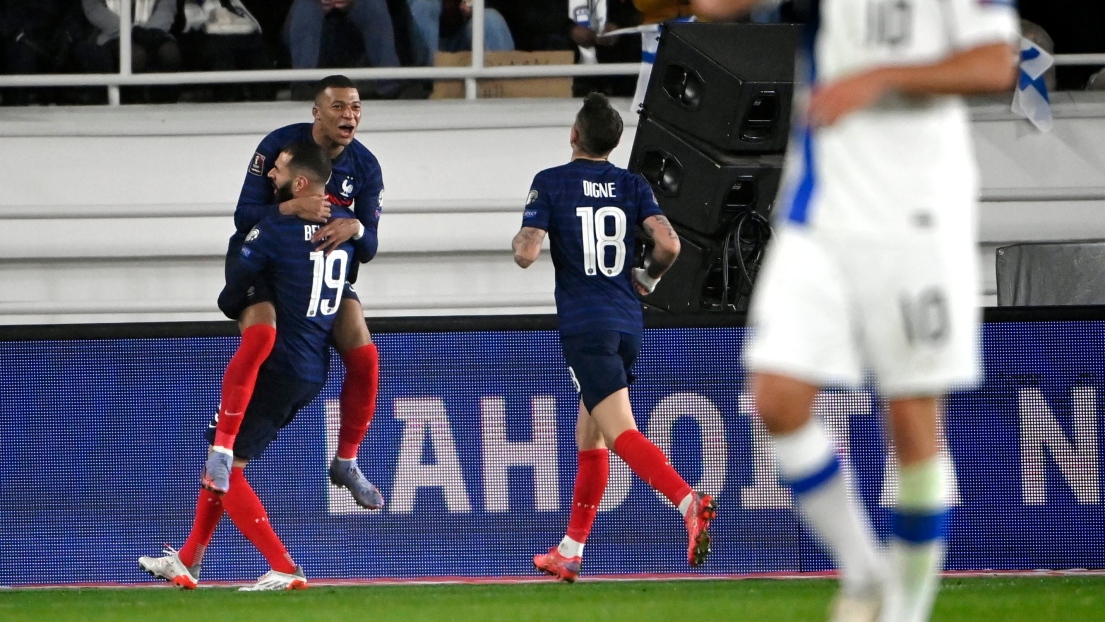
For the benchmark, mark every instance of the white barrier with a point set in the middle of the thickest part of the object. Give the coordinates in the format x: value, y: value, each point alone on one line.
x: 469, y: 74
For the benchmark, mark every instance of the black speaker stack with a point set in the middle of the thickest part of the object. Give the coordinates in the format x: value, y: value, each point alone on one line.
x: 710, y: 142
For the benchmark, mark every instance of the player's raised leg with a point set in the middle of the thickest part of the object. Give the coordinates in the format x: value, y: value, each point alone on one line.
x: 258, y: 325
x: 565, y: 560
x: 358, y: 401
x: 920, y: 519
x: 614, y: 416
x: 809, y: 464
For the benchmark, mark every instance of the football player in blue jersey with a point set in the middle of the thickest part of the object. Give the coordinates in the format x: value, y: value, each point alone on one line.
x: 355, y: 186
x: 590, y: 210
x: 306, y: 286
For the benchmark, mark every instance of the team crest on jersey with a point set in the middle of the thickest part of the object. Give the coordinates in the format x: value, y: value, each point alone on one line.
x: 347, y: 187
x: 257, y: 166
x: 254, y: 233
x: 533, y: 194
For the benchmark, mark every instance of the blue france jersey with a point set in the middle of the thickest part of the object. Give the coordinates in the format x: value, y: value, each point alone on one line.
x: 356, y: 183
x: 307, y: 287
x: 591, y: 210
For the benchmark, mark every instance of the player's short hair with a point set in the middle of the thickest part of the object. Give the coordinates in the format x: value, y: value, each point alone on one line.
x: 309, y: 160
x: 336, y: 81
x: 599, y: 125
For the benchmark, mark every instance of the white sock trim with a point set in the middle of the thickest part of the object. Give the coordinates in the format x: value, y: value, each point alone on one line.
x: 223, y: 450
x: 570, y: 548
x: 685, y: 504
x: 803, y: 452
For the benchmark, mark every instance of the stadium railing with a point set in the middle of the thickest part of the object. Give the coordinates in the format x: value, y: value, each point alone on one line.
x: 470, y: 74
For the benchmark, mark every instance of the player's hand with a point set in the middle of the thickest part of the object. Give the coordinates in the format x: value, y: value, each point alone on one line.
x: 605, y: 40
x: 335, y: 233
x: 832, y: 101
x: 315, y: 208
x: 643, y: 283
x: 582, y: 36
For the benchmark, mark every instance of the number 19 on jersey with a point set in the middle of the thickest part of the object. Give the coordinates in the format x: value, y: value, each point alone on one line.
x: 329, y: 270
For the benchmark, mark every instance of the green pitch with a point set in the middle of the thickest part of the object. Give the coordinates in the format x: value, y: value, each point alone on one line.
x: 977, y: 599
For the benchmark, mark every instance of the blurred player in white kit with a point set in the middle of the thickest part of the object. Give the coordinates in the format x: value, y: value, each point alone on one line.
x: 874, y: 266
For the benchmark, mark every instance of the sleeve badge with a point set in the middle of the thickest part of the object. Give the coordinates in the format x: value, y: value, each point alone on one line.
x: 257, y: 165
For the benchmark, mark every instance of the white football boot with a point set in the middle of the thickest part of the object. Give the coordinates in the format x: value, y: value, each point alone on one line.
x: 170, y: 568
x: 273, y: 581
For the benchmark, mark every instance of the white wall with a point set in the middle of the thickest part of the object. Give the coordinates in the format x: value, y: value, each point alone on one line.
x: 120, y: 215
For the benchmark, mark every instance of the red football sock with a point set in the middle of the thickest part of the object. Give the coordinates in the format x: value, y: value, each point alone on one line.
x: 209, y: 509
x: 594, y: 470
x: 238, y: 381
x: 245, y: 509
x: 358, y: 398
x: 651, y: 465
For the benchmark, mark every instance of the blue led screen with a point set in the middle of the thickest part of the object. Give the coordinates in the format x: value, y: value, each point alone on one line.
x: 473, y: 448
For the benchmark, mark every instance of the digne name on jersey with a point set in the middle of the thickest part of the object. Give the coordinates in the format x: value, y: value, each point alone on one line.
x: 600, y: 191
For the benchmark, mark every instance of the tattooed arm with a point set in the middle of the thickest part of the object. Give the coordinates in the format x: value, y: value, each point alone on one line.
x: 527, y: 245
x: 665, y: 249
x: 666, y: 245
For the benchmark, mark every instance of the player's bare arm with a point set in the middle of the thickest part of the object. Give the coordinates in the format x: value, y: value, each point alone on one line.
x: 665, y: 251
x: 982, y: 69
x: 723, y: 10
x: 527, y: 245
x: 666, y: 244
x: 335, y: 233
x: 315, y: 208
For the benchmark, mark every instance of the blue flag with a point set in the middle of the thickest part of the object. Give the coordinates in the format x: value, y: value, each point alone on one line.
x: 1030, y: 100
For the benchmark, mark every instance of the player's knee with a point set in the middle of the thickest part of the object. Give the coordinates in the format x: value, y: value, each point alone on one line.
x: 350, y: 328
x: 590, y: 438
x: 255, y: 314
x: 784, y: 404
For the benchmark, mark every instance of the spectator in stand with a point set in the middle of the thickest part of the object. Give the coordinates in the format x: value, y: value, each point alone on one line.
x: 154, y: 48
x: 446, y: 26
x: 624, y: 49
x: 456, y: 28
x: 342, y: 33
x: 222, y: 35
x: 39, y: 37
x: 654, y: 12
